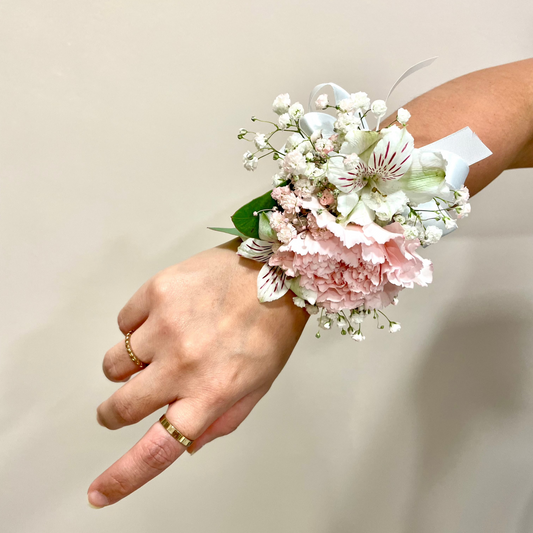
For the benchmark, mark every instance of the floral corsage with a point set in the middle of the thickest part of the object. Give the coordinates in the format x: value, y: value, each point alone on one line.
x: 350, y: 206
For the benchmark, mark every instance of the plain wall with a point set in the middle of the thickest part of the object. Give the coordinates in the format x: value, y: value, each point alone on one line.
x: 118, y: 147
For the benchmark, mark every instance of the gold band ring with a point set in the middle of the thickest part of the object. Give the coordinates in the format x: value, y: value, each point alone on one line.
x: 133, y: 357
x: 182, y: 439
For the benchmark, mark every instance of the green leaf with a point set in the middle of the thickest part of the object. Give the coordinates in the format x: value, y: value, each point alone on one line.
x: 231, y: 231
x: 244, y: 219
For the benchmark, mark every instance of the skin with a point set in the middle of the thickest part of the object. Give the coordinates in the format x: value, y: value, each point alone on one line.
x: 214, y: 350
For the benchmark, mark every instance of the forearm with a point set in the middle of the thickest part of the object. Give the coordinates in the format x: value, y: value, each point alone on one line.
x: 496, y: 103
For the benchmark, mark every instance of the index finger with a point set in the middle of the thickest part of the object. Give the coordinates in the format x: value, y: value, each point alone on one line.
x: 155, y: 452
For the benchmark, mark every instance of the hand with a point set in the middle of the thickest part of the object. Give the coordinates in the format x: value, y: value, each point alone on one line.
x: 212, y: 350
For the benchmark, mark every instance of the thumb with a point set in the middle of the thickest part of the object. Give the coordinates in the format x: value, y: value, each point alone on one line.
x: 229, y: 421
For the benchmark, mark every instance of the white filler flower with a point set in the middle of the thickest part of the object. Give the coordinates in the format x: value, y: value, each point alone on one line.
x: 322, y: 101
x: 403, y: 116
x: 379, y: 108
x: 260, y: 141
x: 281, y: 104
x: 296, y: 111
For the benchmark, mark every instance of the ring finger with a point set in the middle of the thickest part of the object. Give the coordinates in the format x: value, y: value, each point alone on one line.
x: 118, y: 365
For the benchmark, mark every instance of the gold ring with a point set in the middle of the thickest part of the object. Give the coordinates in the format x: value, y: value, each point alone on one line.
x: 133, y: 357
x: 182, y: 439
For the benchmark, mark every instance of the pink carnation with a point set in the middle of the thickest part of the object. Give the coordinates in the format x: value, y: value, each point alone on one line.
x: 358, y: 265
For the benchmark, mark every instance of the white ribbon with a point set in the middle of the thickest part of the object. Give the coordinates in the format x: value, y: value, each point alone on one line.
x: 460, y: 149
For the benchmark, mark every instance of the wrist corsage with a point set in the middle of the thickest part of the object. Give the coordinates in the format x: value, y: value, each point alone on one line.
x: 350, y: 206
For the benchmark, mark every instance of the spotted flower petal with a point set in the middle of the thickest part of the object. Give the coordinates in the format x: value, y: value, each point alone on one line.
x: 272, y: 283
x: 392, y: 156
x: 345, y: 181
x: 256, y: 249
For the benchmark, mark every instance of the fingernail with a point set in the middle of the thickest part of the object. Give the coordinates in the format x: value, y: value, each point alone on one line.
x: 192, y: 452
x: 97, y: 500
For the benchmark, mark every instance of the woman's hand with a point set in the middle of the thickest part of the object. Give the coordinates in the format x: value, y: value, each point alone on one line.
x: 213, y: 351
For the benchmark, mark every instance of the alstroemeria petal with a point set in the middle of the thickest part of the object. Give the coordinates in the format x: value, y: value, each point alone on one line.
x: 357, y: 141
x: 361, y: 215
x: 306, y: 294
x: 256, y: 249
x: 342, y: 179
x: 392, y: 155
x: 425, y: 178
x: 272, y: 283
x: 346, y: 203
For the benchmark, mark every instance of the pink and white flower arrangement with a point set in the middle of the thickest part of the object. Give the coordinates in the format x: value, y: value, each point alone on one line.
x: 349, y: 212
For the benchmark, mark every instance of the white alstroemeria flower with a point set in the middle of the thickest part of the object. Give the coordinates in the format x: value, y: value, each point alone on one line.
x: 425, y: 178
x: 383, y: 157
x: 345, y: 180
x: 272, y: 282
x: 281, y: 104
x: 353, y: 209
x: 392, y: 155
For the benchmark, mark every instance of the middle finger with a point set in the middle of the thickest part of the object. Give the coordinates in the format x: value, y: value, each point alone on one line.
x: 138, y: 398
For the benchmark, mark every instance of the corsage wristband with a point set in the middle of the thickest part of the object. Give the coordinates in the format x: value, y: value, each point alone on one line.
x: 350, y: 206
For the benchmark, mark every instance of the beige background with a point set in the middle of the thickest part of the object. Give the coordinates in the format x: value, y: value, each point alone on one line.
x: 118, y: 124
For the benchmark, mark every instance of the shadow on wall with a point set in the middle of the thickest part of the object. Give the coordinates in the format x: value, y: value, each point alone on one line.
x: 475, y: 369
x: 56, y: 382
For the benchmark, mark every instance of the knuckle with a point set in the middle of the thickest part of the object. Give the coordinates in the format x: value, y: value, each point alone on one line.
x: 158, y: 453
x: 121, y: 321
x: 124, y: 411
x: 161, y: 287
x: 230, y: 428
x: 109, y: 367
